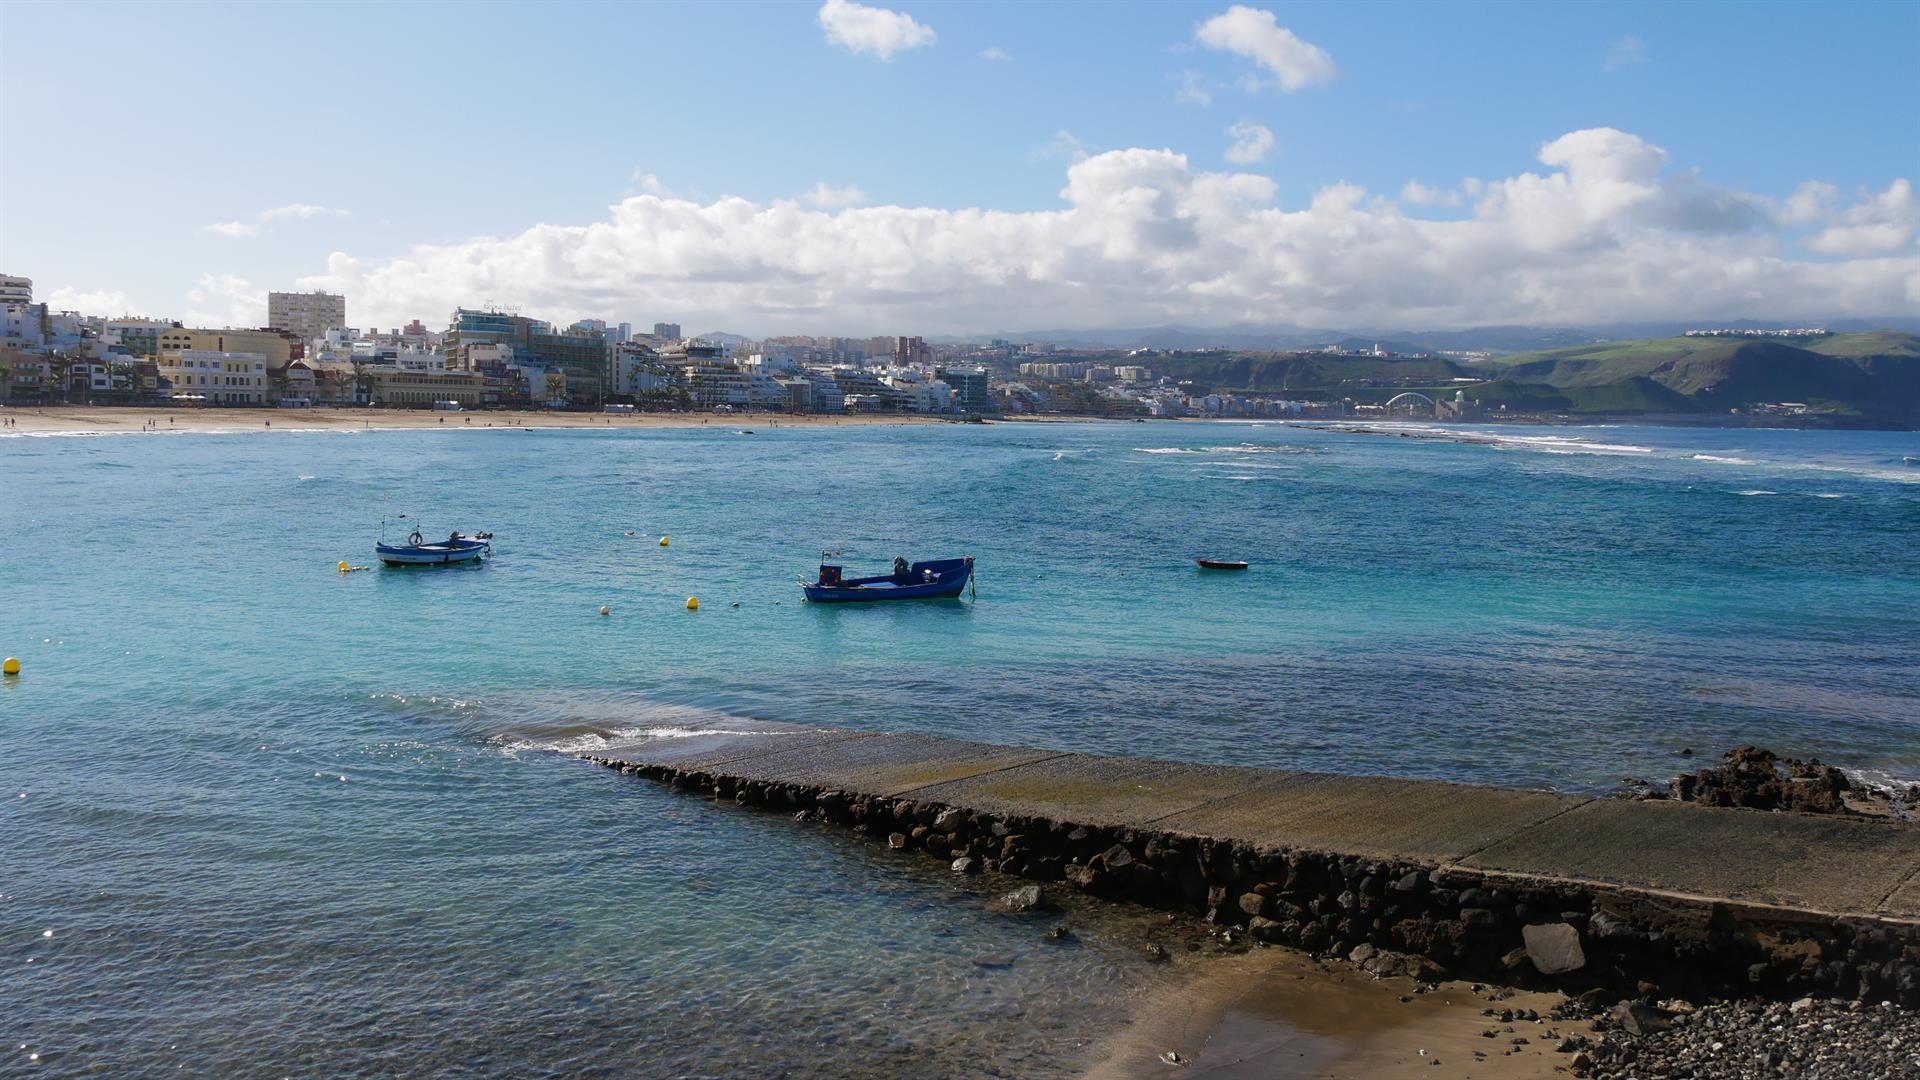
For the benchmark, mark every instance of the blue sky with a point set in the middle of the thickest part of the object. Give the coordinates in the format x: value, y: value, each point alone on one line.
x: 408, y: 132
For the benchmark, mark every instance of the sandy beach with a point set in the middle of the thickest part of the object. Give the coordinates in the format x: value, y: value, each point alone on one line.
x: 1275, y: 1013
x: 81, y: 420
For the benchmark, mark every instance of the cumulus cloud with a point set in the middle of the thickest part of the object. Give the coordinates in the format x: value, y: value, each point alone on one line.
x: 225, y: 300
x: 1256, y: 35
x: 825, y: 195
x: 87, y: 301
x: 1420, y: 194
x: 1251, y: 142
x: 1879, y: 223
x: 859, y: 28
x: 995, y: 52
x: 1625, y: 53
x: 234, y: 230
x: 1605, y: 230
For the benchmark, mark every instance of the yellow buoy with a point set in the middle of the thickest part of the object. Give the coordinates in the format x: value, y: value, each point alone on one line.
x: 663, y: 541
x: 344, y: 567
x: 605, y: 610
x: 10, y: 666
x: 693, y: 603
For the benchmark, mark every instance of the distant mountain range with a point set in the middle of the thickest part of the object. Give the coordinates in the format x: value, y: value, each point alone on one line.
x: 1498, y: 339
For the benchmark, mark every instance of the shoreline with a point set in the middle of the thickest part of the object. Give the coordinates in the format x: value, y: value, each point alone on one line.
x: 80, y: 420
x: 119, y: 420
x: 1277, y: 1012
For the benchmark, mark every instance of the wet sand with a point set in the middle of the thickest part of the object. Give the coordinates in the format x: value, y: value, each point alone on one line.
x: 1277, y: 1013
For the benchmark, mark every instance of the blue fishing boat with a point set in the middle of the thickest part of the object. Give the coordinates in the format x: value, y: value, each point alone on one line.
x: 417, y: 552
x: 935, y: 580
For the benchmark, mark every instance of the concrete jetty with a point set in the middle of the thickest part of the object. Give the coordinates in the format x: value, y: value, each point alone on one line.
x: 1413, y: 876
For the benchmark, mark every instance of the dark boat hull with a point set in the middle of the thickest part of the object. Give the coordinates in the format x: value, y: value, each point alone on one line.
x: 950, y: 577
x: 1220, y: 564
x: 442, y: 554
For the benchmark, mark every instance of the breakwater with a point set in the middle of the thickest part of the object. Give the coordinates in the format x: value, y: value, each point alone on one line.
x: 1407, y: 877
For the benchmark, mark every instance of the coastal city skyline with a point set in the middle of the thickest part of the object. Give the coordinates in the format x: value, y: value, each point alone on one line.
x: 1198, y: 164
x: 960, y: 539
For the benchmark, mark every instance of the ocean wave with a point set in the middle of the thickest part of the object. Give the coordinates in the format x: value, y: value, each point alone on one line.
x: 589, y: 741
x: 1560, y: 444
x: 1243, y: 448
x: 1755, y: 491
x: 1724, y: 460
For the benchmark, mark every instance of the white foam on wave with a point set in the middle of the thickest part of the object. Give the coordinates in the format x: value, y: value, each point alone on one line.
x: 1755, y: 491
x: 180, y: 431
x: 589, y: 741
x: 1724, y: 460
x: 1560, y: 444
x: 1243, y: 448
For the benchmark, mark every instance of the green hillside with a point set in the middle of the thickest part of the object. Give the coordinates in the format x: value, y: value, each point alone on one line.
x: 1303, y: 371
x: 1874, y: 375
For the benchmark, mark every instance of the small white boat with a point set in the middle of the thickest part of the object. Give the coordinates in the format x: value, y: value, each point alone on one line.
x: 416, y: 552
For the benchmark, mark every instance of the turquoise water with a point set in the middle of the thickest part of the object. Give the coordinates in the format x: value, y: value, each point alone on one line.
x: 279, y: 819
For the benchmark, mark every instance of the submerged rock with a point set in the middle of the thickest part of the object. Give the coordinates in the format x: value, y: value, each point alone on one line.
x: 1024, y: 898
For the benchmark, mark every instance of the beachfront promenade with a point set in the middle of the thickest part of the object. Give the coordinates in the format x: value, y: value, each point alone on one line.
x: 1529, y: 886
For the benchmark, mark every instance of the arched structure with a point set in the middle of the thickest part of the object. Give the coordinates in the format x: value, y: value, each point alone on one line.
x: 1412, y: 401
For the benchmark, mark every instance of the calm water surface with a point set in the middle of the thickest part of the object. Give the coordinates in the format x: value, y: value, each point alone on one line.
x: 265, y: 818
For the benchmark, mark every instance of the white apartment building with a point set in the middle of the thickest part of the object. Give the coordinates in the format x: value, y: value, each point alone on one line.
x: 215, y: 378
x: 15, y: 290
x: 309, y: 315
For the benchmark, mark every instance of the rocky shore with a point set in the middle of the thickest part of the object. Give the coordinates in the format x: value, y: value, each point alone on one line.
x: 1808, y: 1039
x: 1757, y: 779
x: 1393, y: 917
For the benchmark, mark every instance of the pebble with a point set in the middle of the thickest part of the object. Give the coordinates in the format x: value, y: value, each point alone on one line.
x: 1808, y: 1040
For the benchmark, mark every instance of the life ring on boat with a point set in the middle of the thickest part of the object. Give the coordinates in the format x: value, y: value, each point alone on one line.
x: 415, y: 538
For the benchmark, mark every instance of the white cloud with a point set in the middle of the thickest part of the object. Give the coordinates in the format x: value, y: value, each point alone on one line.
x: 1604, y: 231
x: 1420, y: 194
x: 225, y: 300
x: 1880, y: 223
x: 859, y: 28
x: 648, y: 182
x: 1251, y: 142
x: 1256, y: 35
x: 248, y: 230
x: 87, y: 301
x: 302, y: 211
x: 995, y: 52
x: 1194, y: 89
x: 1625, y: 53
x: 1063, y: 145
x: 825, y: 196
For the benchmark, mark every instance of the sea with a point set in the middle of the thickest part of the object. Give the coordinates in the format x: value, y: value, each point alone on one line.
x: 265, y: 818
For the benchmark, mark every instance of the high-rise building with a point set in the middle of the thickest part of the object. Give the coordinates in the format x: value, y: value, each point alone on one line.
x: 972, y: 388
x: 583, y: 355
x: 308, y: 315
x: 668, y: 330
x: 15, y: 290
